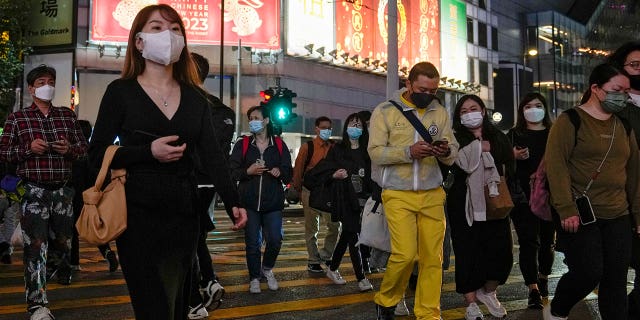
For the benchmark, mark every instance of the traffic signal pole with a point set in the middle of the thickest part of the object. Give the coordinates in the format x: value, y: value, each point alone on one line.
x: 238, y: 94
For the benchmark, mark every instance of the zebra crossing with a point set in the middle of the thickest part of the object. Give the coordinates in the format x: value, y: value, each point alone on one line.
x: 95, y: 293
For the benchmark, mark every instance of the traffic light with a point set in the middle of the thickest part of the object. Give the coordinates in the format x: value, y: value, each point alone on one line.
x: 278, y: 104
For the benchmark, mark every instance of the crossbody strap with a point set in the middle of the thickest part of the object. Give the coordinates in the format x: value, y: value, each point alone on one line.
x: 415, y: 122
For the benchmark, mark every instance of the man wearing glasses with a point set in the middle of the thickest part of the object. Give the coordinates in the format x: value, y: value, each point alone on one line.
x: 627, y: 57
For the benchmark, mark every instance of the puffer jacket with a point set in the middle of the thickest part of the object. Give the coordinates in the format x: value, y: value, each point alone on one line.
x: 264, y: 192
x: 391, y: 135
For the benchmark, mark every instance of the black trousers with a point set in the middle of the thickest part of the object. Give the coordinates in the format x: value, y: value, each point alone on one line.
x: 202, y: 271
x: 536, y: 238
x: 598, y: 254
x: 348, y: 238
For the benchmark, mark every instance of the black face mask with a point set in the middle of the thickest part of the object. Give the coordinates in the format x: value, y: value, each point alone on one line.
x: 422, y: 99
x: 635, y: 81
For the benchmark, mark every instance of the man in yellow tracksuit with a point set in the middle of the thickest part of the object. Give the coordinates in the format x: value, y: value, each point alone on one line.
x: 406, y: 167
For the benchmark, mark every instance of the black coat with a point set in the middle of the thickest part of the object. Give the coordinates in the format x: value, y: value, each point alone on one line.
x: 344, y: 199
x: 261, y: 193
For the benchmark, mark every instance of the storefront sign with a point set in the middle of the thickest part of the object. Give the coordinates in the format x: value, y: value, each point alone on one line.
x: 51, y: 23
x: 256, y: 22
x: 361, y: 28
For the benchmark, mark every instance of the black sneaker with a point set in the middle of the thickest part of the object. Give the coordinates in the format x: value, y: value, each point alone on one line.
x: 543, y: 287
x: 385, y: 313
x: 64, y: 274
x: 112, y: 259
x: 315, y: 268
x: 535, y: 300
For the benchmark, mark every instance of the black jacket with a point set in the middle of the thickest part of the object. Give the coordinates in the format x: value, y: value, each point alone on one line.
x: 261, y: 193
x: 344, y: 199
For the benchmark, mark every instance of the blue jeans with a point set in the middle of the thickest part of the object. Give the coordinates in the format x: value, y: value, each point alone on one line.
x: 259, y: 223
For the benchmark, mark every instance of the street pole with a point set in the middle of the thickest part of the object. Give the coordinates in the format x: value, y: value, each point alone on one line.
x: 392, y: 48
x: 238, y: 95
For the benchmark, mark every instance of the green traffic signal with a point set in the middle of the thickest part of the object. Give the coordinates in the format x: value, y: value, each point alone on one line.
x: 280, y: 105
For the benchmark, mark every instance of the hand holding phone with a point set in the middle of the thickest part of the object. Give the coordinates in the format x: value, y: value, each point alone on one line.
x: 440, y: 143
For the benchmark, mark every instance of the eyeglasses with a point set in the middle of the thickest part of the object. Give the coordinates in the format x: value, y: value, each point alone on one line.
x: 633, y: 64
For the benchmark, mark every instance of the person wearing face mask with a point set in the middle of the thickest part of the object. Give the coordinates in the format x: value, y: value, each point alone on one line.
x: 406, y: 167
x: 43, y: 141
x: 162, y: 117
x: 308, y: 157
x: 483, y: 247
x: 627, y: 58
x: 597, y: 161
x: 347, y: 168
x: 535, y: 236
x: 261, y: 164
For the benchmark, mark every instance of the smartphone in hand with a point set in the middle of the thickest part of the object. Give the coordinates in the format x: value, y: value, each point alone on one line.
x: 440, y: 143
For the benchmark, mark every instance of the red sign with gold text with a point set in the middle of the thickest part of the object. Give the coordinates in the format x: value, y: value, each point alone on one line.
x: 256, y: 22
x: 361, y: 28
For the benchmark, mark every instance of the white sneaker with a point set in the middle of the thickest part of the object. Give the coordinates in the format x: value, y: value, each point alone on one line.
x: 199, y: 312
x: 473, y: 312
x: 42, y: 313
x: 254, y: 286
x: 401, y: 309
x: 364, y: 285
x: 491, y: 301
x: 213, y: 292
x: 335, y: 277
x: 272, y: 283
x: 546, y: 314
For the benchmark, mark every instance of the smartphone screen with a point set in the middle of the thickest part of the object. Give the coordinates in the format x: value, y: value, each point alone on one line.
x: 585, y: 210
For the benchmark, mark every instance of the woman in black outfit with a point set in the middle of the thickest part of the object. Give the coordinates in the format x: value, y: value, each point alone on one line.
x: 350, y: 177
x: 482, y: 248
x: 535, y: 236
x: 161, y: 117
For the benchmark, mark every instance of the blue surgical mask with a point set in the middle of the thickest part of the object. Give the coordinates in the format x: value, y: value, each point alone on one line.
x: 325, y: 134
x: 255, y: 126
x: 354, y: 132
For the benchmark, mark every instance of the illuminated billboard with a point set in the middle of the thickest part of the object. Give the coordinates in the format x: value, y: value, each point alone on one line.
x: 256, y: 22
x: 454, y: 39
x: 310, y: 22
x: 361, y: 28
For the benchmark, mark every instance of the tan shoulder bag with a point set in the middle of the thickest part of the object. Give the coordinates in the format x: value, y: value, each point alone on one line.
x: 104, y: 214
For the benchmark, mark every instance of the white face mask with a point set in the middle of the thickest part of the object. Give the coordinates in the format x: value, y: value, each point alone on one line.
x: 534, y: 115
x: 472, y: 120
x: 163, y: 47
x: 45, y: 92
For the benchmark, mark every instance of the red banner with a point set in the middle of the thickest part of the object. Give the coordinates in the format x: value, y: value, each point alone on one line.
x: 361, y: 28
x: 256, y: 22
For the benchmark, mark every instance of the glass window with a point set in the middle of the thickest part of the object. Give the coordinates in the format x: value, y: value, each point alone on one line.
x: 484, y: 73
x: 472, y: 73
x: 469, y: 30
x: 482, y: 4
x: 482, y: 34
x: 494, y: 38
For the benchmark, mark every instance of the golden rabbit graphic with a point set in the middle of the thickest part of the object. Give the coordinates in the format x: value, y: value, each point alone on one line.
x: 244, y: 15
